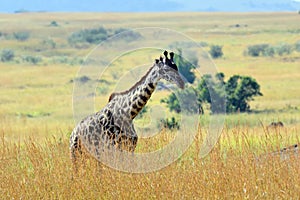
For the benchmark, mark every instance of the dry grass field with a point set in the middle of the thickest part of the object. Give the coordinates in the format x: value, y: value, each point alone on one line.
x: 36, y: 116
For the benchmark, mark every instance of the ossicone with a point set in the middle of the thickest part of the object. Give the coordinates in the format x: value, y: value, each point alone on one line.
x: 172, y: 56
x: 166, y: 55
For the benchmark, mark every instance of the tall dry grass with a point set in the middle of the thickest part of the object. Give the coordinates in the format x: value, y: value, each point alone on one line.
x: 233, y: 170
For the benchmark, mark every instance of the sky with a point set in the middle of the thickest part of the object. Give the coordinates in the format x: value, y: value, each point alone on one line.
x: 12, y: 6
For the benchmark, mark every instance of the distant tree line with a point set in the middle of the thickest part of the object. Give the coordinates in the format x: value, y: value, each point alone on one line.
x: 97, y: 35
x: 272, y: 50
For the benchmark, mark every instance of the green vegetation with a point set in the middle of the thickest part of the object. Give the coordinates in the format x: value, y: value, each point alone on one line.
x: 7, y: 55
x: 238, y: 91
x: 185, y: 101
x: 21, y: 36
x: 36, y: 112
x: 216, y: 51
x: 185, y: 66
x: 170, y: 124
x: 269, y: 50
x: 97, y: 35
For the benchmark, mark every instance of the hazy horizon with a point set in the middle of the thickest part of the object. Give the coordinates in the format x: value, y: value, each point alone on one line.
x: 149, y: 6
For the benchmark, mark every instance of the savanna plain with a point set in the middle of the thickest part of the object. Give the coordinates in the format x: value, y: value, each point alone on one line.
x: 40, y: 64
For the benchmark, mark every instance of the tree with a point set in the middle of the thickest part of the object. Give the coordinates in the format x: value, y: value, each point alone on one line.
x: 210, y: 90
x: 184, y: 101
x: 257, y: 49
x: 231, y: 96
x: 216, y: 51
x: 240, y: 90
x: 185, y: 67
x: 237, y: 92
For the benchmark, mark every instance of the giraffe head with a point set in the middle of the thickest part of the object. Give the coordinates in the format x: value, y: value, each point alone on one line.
x: 168, y: 70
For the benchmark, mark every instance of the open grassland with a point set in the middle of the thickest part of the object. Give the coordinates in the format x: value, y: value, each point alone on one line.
x: 36, y: 116
x: 231, y: 171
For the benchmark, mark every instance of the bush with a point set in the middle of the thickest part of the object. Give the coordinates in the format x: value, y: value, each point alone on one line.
x: 83, y: 79
x: 49, y: 43
x: 297, y: 46
x: 185, y: 67
x: 32, y: 59
x: 211, y: 90
x: 95, y: 36
x: 7, y: 55
x: 257, y: 50
x: 269, y: 51
x: 103, y: 90
x: 216, y: 51
x: 92, y: 36
x: 283, y: 49
x: 21, y: 36
x: 169, y: 123
x: 184, y: 101
x: 53, y: 23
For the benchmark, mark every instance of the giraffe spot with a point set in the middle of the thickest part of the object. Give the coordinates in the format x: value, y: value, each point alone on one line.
x: 134, y: 106
x: 151, y: 85
x: 143, y: 98
x: 133, y: 113
x: 106, y: 127
x: 98, y: 129
x: 147, y: 91
x: 108, y: 113
x: 91, y: 129
x: 140, y: 104
x: 93, y: 123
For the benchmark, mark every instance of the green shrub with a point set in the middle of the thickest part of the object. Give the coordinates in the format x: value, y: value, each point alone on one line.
x: 103, y: 90
x: 184, y: 101
x: 49, y: 43
x: 283, y: 49
x: 92, y: 36
x: 21, y: 36
x: 169, y: 123
x: 257, y: 50
x: 216, y: 51
x: 269, y: 51
x: 53, y: 23
x: 7, y: 55
x: 186, y: 67
x: 32, y: 59
x: 95, y: 36
x: 297, y: 46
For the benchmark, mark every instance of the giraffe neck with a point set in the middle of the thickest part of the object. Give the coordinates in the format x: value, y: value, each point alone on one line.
x: 142, y: 91
x: 130, y: 102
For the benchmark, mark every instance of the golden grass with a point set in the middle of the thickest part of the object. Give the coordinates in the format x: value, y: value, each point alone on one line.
x: 232, y: 170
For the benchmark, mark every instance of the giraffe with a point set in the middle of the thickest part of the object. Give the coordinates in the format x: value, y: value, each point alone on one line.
x: 112, y: 126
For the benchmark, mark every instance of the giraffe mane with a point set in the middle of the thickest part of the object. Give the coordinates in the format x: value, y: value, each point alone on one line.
x: 132, y: 88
